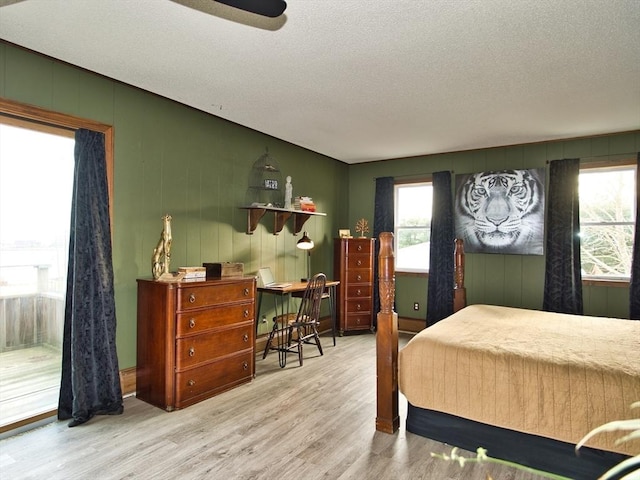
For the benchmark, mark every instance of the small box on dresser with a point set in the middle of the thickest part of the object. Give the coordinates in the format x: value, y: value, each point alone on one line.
x: 353, y: 263
x: 224, y: 269
x: 194, y: 340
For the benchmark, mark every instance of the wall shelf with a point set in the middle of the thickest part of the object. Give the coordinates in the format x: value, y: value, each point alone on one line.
x: 280, y: 217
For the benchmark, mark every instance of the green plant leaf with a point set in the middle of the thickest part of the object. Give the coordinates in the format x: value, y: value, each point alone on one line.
x: 627, y: 438
x: 632, y: 424
x: 621, y: 467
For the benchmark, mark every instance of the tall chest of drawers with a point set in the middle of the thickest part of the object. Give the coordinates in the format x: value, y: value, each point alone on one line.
x: 353, y: 263
x: 194, y: 340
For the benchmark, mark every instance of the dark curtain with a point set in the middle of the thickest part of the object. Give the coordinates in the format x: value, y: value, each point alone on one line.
x: 441, y: 250
x: 634, y: 289
x: 382, y: 222
x: 90, y: 382
x: 563, y: 278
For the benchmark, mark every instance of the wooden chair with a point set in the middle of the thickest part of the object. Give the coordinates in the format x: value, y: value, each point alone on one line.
x: 291, y: 332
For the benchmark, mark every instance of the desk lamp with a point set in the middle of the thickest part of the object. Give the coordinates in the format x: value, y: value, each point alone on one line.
x: 305, y: 243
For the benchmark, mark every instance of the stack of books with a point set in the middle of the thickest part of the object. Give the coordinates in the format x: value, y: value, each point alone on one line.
x: 193, y: 274
x: 305, y: 204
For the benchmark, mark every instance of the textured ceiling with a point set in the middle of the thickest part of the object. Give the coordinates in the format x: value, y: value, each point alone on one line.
x: 364, y: 80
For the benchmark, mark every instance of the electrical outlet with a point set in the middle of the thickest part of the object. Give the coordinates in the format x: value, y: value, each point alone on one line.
x: 416, y: 306
x: 264, y: 319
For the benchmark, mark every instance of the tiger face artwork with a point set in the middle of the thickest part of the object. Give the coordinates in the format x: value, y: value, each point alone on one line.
x: 501, y: 211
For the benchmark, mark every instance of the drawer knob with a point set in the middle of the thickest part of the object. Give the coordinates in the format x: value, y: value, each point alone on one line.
x: 192, y: 323
x: 246, y: 292
x: 246, y: 314
x: 358, y: 321
x: 191, y: 383
x: 245, y: 365
x: 192, y: 298
x: 192, y: 352
x: 358, y: 307
x: 359, y: 262
x: 358, y: 292
x: 245, y: 337
x: 359, y: 248
x: 358, y: 277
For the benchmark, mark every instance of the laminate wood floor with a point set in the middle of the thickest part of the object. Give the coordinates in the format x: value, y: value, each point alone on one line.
x: 310, y: 422
x: 29, y: 382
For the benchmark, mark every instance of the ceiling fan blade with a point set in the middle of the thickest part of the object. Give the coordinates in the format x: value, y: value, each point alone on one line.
x: 267, y: 8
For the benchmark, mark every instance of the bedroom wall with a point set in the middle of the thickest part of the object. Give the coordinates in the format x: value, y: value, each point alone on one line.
x: 170, y: 158
x: 512, y: 280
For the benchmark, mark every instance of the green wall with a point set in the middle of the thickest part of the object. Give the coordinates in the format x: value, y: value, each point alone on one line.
x: 170, y: 158
x: 512, y: 280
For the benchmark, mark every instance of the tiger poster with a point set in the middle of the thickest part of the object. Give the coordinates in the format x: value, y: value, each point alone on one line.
x: 501, y: 211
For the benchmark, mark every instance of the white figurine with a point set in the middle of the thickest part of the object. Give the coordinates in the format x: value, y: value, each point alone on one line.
x: 288, y: 193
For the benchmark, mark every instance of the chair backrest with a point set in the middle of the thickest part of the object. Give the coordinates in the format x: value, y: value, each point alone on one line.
x: 309, y: 310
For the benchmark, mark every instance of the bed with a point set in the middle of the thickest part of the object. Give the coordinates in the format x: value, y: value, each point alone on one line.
x: 525, y: 384
x: 544, y: 374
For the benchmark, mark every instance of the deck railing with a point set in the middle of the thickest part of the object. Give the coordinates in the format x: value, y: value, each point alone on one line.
x: 31, y: 311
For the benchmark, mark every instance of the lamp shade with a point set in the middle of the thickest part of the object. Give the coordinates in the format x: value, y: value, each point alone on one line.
x: 305, y: 243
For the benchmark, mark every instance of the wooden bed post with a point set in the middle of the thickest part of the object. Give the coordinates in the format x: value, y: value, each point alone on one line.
x: 459, y: 290
x: 387, y: 419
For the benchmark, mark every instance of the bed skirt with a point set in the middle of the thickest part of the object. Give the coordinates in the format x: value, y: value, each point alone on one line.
x: 534, y: 451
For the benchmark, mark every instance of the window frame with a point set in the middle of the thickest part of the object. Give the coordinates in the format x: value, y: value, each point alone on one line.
x: 36, y: 118
x: 413, y: 182
x: 605, y: 166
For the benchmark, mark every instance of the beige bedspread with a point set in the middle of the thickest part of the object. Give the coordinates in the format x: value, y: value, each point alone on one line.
x: 549, y: 374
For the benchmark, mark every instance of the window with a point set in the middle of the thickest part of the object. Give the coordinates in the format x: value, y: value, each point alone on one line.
x: 607, y: 220
x: 36, y: 184
x: 412, y: 226
x: 36, y: 181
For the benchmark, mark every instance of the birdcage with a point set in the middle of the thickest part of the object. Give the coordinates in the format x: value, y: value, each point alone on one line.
x: 265, y: 182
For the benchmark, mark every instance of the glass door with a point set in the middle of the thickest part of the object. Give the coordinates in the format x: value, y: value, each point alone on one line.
x: 36, y: 181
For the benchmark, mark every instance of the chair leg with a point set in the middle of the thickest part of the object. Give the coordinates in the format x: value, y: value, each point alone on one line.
x: 267, y: 347
x: 289, y: 336
x: 300, y: 343
x: 269, y: 341
x: 317, y: 337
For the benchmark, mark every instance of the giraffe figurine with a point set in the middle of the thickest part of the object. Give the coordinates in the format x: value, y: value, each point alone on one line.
x: 162, y: 252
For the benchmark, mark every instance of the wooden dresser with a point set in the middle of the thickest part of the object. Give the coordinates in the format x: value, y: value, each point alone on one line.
x: 353, y: 266
x: 195, y: 339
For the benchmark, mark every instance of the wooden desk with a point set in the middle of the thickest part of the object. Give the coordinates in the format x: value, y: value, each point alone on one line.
x: 281, y: 298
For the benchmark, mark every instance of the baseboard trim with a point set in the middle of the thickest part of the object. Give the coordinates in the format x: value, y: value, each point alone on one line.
x: 128, y: 381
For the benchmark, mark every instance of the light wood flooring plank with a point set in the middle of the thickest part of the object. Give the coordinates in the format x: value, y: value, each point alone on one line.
x: 29, y: 382
x: 310, y: 422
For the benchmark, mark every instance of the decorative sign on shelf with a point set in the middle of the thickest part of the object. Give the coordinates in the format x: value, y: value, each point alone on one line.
x: 271, y: 184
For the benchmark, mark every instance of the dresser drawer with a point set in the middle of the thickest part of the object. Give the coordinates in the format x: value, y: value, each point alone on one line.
x: 358, y: 291
x: 194, y: 384
x: 357, y: 305
x: 359, y: 261
x: 192, y: 351
x: 360, y: 321
x: 355, y: 245
x: 199, y: 296
x: 359, y: 276
x: 198, y: 321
